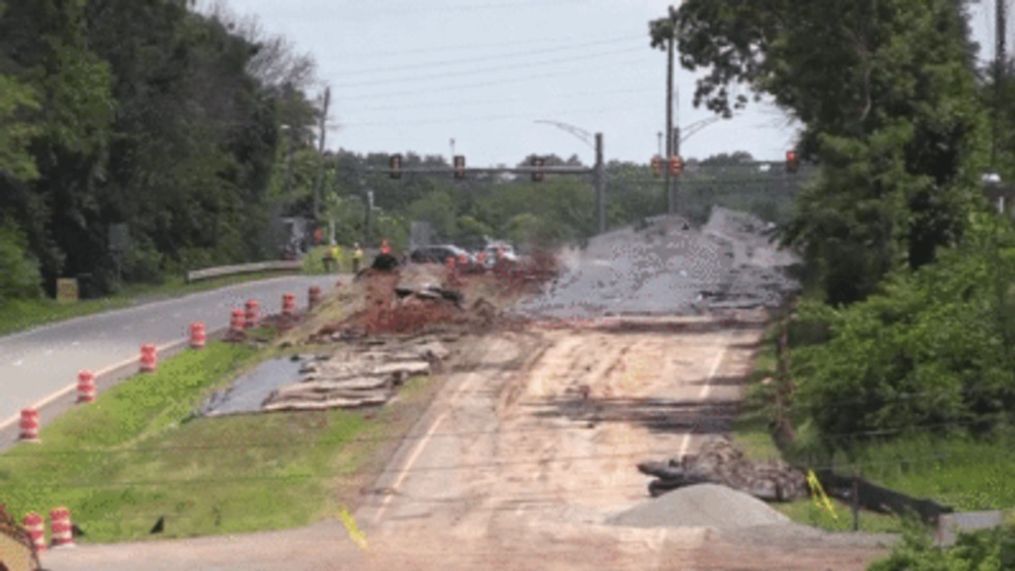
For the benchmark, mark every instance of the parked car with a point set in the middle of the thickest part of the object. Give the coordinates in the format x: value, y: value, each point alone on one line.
x: 439, y: 254
x: 498, y: 250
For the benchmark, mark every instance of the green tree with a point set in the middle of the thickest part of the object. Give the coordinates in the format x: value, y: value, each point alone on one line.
x: 886, y: 92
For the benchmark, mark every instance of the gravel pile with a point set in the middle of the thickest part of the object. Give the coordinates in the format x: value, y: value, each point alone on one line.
x: 668, y: 266
x: 704, y: 505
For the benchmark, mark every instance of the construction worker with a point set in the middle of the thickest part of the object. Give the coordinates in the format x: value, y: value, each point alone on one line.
x: 357, y: 258
x: 336, y: 254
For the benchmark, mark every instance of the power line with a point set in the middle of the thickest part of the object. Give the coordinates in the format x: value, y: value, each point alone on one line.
x: 553, y: 43
x: 492, y: 69
x: 489, y: 57
x: 476, y: 102
x: 388, y: 94
x: 485, y: 118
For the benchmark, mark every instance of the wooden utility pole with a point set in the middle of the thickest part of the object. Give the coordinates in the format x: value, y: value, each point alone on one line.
x: 600, y: 176
x: 1000, y: 67
x: 669, y: 124
x: 320, y: 154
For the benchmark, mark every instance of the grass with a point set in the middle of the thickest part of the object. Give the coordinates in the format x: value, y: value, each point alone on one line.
x: 137, y: 454
x: 751, y: 432
x: 807, y: 512
x: 18, y: 315
x: 962, y: 472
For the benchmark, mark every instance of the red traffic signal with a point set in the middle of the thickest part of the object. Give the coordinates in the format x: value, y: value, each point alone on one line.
x: 676, y: 165
x: 395, y: 166
x: 538, y: 163
x: 792, y: 161
x: 459, y: 167
x: 657, y: 166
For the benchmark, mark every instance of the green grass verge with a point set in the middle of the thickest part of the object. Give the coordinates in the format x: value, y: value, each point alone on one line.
x: 964, y: 473
x: 18, y: 315
x: 807, y: 512
x: 751, y: 432
x: 136, y: 455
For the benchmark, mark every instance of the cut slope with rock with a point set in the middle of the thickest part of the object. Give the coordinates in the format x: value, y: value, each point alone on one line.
x: 668, y: 266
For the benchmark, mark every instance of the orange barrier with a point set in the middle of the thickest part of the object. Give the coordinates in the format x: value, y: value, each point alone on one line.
x: 60, y: 530
x: 86, y: 387
x: 198, y: 335
x: 313, y: 297
x: 35, y: 525
x: 251, y: 314
x: 149, y: 358
x: 288, y: 305
x: 29, y: 425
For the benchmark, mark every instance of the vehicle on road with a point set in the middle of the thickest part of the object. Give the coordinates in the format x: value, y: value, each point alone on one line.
x: 439, y: 254
x: 498, y: 251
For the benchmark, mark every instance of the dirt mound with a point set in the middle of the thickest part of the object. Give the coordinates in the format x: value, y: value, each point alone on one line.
x: 704, y: 505
x: 669, y: 266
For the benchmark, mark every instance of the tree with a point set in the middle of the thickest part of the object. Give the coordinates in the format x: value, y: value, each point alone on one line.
x: 885, y: 90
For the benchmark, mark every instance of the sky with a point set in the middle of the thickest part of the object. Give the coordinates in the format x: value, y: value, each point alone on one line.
x: 411, y: 76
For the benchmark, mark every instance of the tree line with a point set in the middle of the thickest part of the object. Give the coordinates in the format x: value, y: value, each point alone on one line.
x: 138, y: 138
x: 908, y: 321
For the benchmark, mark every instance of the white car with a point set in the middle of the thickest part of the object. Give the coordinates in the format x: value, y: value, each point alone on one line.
x: 499, y: 250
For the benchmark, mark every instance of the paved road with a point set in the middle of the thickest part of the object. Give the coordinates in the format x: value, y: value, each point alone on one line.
x: 38, y: 363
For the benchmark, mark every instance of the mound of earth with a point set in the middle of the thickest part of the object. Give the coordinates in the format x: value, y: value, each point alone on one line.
x: 704, y: 505
x: 668, y: 266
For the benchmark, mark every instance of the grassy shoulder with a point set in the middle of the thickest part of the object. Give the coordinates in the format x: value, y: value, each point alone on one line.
x: 964, y: 473
x: 138, y: 454
x: 18, y: 315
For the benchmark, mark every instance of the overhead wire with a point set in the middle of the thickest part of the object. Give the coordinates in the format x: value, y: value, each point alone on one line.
x: 484, y: 58
x: 488, y: 70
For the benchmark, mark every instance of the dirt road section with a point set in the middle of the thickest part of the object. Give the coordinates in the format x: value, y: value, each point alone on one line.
x: 523, y: 458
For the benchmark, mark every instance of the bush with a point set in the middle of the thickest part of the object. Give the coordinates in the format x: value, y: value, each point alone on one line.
x: 19, y: 272
x: 934, y: 350
x: 992, y: 550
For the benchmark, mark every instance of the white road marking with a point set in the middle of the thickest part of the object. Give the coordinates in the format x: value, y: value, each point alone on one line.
x: 420, y: 445
x: 72, y: 387
x: 705, y: 391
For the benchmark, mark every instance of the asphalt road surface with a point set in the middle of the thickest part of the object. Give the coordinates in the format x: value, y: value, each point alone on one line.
x: 37, y: 364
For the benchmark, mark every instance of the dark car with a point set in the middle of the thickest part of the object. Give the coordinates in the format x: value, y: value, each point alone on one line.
x: 438, y: 254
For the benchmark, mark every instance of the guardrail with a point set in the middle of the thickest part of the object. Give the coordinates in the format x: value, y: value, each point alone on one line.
x: 220, y: 271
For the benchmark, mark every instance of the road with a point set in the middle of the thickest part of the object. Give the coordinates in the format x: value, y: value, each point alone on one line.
x: 518, y: 463
x: 35, y: 365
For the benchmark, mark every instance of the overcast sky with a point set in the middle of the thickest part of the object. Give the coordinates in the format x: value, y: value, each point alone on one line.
x: 413, y: 75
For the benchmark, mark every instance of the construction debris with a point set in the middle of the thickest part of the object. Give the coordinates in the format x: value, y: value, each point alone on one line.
x: 719, y: 462
x: 361, y: 375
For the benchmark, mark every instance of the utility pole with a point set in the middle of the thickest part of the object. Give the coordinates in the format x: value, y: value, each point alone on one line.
x: 1000, y: 67
x: 675, y: 192
x: 320, y: 154
x: 600, y: 177
x: 669, y: 122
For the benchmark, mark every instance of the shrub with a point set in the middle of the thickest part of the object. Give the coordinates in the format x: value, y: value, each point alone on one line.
x: 19, y: 272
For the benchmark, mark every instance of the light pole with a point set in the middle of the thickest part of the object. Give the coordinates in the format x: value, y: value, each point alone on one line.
x: 596, y: 142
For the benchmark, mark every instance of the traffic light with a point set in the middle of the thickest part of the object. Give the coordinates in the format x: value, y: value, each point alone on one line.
x: 395, y: 166
x: 459, y: 167
x: 538, y: 163
x: 676, y: 165
x: 657, y: 166
x: 792, y: 162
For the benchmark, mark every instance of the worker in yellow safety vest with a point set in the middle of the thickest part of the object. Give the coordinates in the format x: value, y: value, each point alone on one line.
x: 357, y: 258
x: 336, y: 254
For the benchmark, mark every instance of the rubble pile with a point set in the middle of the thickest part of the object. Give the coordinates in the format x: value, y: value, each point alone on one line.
x: 359, y: 375
x: 668, y: 266
x: 719, y: 462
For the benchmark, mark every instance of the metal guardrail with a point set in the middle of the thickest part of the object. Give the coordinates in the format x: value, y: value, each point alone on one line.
x: 220, y: 271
